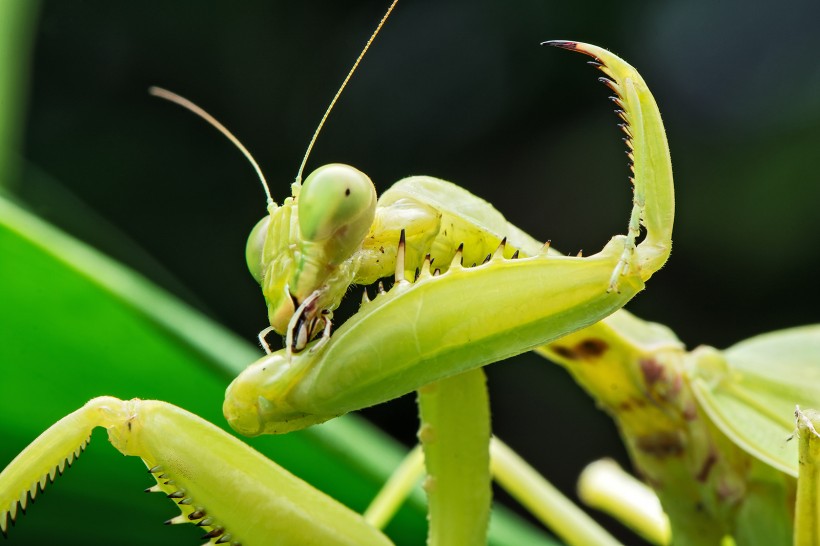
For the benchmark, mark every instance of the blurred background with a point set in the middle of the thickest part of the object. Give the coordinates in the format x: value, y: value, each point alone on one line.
x: 462, y: 91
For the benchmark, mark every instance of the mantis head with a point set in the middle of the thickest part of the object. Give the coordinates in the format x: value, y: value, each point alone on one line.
x: 306, y: 246
x: 301, y: 252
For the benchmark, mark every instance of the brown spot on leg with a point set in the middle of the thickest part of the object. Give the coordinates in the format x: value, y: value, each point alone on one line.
x: 639, y: 402
x: 703, y: 473
x: 690, y: 412
x: 729, y: 492
x: 590, y: 349
x: 632, y: 403
x: 565, y: 352
x: 661, y: 444
x: 652, y: 371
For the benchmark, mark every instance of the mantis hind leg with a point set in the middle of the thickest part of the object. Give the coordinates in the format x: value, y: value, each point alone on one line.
x: 232, y: 492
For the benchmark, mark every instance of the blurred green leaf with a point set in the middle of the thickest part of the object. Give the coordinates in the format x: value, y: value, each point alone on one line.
x: 17, y: 23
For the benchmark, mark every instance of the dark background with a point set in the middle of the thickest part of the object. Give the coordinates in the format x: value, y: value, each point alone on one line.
x: 459, y: 90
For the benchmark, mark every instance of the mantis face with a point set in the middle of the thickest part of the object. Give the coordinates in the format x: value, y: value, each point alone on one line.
x: 302, y: 253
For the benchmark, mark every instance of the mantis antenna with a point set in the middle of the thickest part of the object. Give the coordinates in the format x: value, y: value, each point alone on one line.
x: 188, y: 105
x: 339, y: 92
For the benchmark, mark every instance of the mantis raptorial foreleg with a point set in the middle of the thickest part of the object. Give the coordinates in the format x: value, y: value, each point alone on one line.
x: 235, y: 494
x: 435, y: 326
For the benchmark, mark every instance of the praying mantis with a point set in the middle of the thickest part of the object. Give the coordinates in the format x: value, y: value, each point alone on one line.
x: 612, y: 277
x: 567, y: 350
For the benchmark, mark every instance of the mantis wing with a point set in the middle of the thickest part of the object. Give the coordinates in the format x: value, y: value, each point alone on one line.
x: 750, y: 391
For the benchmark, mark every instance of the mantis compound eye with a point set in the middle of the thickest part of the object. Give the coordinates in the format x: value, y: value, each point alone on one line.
x: 254, y: 249
x: 337, y: 204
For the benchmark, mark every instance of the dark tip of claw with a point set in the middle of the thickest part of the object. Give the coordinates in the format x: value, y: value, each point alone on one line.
x: 563, y: 44
x: 573, y: 46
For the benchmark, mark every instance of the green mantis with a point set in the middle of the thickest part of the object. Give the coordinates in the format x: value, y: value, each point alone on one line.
x: 627, y: 345
x: 310, y: 382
